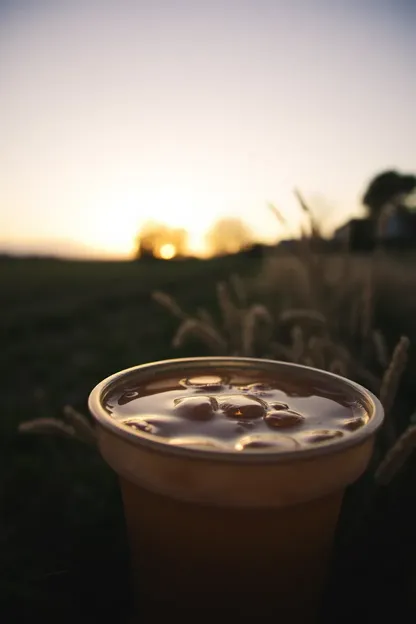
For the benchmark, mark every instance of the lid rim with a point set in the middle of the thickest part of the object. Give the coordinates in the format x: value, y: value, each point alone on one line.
x: 141, y: 439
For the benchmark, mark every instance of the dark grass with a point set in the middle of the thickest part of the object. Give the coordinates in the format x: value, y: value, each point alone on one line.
x: 63, y: 555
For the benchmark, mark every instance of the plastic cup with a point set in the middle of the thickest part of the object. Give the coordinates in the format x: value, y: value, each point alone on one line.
x: 238, y: 534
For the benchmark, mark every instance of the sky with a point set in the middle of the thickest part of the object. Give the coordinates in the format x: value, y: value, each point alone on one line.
x: 185, y: 111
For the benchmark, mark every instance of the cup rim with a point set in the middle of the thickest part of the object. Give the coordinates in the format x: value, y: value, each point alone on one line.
x: 151, y: 443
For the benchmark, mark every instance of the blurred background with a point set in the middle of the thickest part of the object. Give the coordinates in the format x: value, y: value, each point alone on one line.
x: 184, y: 113
x: 171, y: 170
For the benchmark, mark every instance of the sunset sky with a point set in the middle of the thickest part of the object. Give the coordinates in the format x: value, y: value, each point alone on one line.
x: 184, y: 111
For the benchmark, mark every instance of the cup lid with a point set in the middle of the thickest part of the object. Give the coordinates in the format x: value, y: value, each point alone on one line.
x: 205, y: 365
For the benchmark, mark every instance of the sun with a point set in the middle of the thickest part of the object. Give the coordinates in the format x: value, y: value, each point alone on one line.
x: 167, y: 251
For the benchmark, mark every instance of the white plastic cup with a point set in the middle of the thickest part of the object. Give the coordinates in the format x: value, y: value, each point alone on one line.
x: 228, y: 532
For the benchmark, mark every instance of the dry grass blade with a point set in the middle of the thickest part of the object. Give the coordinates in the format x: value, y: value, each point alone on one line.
x: 51, y: 426
x: 298, y: 343
x: 277, y: 214
x: 255, y: 315
x: 231, y: 314
x: 299, y: 316
x: 239, y: 289
x: 206, y: 317
x: 229, y: 310
x: 367, y: 304
x: 314, y: 227
x: 316, y: 352
x: 169, y: 303
x: 353, y: 366
x: 302, y: 202
x: 390, y: 384
x: 396, y: 457
x: 192, y: 328
x: 380, y: 348
x: 392, y: 376
x: 82, y: 427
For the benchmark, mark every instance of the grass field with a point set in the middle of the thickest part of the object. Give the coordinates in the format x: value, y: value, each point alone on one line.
x: 67, y: 325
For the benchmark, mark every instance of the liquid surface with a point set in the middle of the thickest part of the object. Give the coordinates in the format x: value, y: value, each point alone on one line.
x: 238, y: 411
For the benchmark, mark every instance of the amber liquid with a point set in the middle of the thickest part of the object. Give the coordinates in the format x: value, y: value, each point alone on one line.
x: 189, y: 559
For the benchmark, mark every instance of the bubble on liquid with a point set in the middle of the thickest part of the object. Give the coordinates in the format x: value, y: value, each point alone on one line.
x: 245, y: 425
x: 196, y: 407
x: 127, y: 396
x: 323, y: 435
x: 204, y: 383
x: 242, y: 407
x: 358, y: 409
x: 279, y: 406
x: 198, y: 443
x: 153, y: 423
x: 263, y: 389
x: 282, y: 419
x: 140, y: 425
x: 266, y: 440
x: 353, y: 424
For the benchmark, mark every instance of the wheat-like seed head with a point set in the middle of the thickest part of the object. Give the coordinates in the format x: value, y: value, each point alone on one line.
x: 81, y: 425
x: 389, y: 386
x: 47, y: 426
x: 169, y: 303
x: 193, y: 328
x: 396, y: 456
x: 279, y: 216
x: 392, y: 376
x: 301, y: 316
x: 315, y: 231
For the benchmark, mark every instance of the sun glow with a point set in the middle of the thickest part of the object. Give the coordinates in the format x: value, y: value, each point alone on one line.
x: 117, y: 214
x: 167, y: 251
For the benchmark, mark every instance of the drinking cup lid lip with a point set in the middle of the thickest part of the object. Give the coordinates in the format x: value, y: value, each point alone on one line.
x: 152, y: 443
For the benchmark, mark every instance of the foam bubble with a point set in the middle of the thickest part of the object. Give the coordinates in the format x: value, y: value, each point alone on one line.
x: 322, y: 435
x: 204, y: 383
x: 196, y: 407
x: 355, y: 423
x: 242, y: 407
x: 139, y: 424
x: 282, y: 419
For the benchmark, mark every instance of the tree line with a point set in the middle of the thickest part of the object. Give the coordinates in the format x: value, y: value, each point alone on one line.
x: 390, y: 190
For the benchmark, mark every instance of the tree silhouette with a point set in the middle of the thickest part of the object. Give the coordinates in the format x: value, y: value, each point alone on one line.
x: 156, y: 240
x: 229, y: 235
x: 389, y: 187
